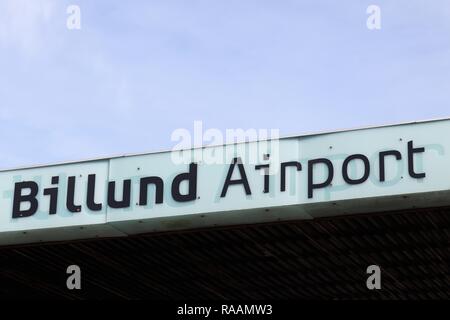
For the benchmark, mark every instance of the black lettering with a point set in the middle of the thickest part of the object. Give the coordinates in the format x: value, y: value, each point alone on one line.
x: 53, y: 193
x: 19, y: 198
x: 383, y: 155
x: 265, y: 167
x: 347, y: 161
x: 126, y: 195
x: 191, y: 176
x: 311, y: 184
x: 411, y: 152
x: 284, y: 165
x: 159, y: 189
x: 71, y: 195
x: 243, y: 180
x: 90, y: 200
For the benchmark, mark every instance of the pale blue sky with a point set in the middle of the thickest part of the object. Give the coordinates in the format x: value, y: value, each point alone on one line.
x: 137, y: 70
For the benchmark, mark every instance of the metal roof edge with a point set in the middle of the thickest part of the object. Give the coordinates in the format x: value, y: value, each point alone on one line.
x: 310, y: 134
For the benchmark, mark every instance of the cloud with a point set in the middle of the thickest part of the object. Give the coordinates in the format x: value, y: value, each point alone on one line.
x: 23, y: 23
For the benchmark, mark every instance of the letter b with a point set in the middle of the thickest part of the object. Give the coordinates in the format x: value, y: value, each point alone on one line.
x: 19, y: 198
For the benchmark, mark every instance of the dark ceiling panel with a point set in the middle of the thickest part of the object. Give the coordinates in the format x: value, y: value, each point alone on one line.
x: 318, y: 259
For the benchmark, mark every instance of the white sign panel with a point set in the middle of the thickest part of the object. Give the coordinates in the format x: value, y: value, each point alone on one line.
x: 375, y: 169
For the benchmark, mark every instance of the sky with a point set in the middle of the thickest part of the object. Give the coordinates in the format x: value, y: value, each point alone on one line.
x: 138, y: 70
